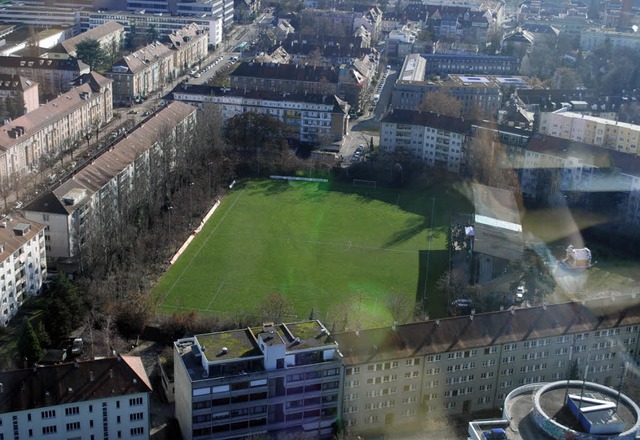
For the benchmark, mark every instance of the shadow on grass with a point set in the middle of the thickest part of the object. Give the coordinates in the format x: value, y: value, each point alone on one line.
x: 431, y: 265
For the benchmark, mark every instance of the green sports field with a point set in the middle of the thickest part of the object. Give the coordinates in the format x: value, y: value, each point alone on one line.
x: 320, y: 245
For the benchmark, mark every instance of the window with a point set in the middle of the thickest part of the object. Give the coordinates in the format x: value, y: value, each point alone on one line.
x: 72, y: 411
x: 137, y: 431
x: 135, y: 401
x: 136, y: 416
x: 46, y: 430
x: 48, y: 414
x: 73, y: 426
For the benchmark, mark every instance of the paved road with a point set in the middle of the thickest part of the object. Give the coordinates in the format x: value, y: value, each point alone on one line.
x: 361, y: 130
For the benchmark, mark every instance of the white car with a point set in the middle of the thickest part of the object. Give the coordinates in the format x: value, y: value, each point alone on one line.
x: 520, y: 291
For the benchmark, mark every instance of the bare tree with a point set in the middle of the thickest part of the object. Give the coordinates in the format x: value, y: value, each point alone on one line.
x: 275, y: 307
x: 441, y: 102
x: 454, y: 282
x: 401, y: 308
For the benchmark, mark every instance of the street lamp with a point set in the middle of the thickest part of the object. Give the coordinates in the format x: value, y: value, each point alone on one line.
x: 209, y: 166
x: 169, y: 209
x: 190, y: 204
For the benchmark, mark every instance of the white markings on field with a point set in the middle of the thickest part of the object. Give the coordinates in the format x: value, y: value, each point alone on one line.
x: 215, y: 295
x: 175, y: 283
x: 348, y: 243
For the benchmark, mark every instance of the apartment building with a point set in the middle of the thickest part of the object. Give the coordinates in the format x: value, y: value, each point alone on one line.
x: 279, y: 377
x: 397, y: 376
x: 97, y: 399
x: 599, y: 132
x: 141, y: 73
x: 190, y: 46
x: 18, y: 88
x: 23, y: 265
x: 150, y: 69
x: 371, y: 20
x: 483, y: 93
x: 86, y: 205
x: 27, y: 41
x: 348, y: 81
x: 54, y: 125
x: 286, y: 78
x: 438, y: 140
x: 469, y: 64
x: 53, y: 76
x: 222, y: 9
x: 590, y: 38
x: 558, y: 168
x: 109, y: 35
x: 141, y: 21
x: 313, y: 118
x: 39, y: 16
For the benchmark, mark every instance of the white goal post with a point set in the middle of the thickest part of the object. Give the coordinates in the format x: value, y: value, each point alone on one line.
x: 367, y: 183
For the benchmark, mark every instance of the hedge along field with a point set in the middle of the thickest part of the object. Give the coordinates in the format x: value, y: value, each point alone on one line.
x: 326, y: 247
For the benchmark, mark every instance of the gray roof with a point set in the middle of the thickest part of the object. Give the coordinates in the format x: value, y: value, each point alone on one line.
x: 291, y: 72
x: 72, y: 382
x: 428, y: 119
x: 486, y: 329
x: 497, y: 223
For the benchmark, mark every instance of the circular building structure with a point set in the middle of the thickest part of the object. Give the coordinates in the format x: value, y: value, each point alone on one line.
x: 580, y: 410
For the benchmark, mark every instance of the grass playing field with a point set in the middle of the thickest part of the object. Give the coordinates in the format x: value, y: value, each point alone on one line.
x: 321, y: 245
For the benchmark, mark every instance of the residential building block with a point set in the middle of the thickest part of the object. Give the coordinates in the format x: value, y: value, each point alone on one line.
x: 14, y: 86
x: 481, y: 93
x: 110, y: 36
x: 279, y: 377
x: 438, y: 140
x: 399, y: 375
x: 23, y: 263
x: 102, y: 398
x: 53, y: 76
x: 313, y: 118
x: 85, y: 205
x: 600, y: 132
x: 150, y: 69
x: 54, y: 126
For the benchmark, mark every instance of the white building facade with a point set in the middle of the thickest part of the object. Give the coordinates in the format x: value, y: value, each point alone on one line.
x: 100, y: 399
x: 82, y: 206
x: 23, y: 263
x: 311, y: 117
x: 275, y: 378
x: 435, y: 139
x: 398, y: 376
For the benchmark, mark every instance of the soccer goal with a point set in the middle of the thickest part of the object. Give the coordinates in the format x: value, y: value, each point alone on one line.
x: 366, y: 183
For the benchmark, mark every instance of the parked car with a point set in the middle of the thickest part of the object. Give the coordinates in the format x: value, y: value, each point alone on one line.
x: 77, y: 347
x: 495, y: 434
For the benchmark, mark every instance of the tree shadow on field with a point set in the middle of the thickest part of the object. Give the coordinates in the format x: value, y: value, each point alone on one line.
x: 431, y: 265
x: 272, y: 187
x: 413, y: 227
